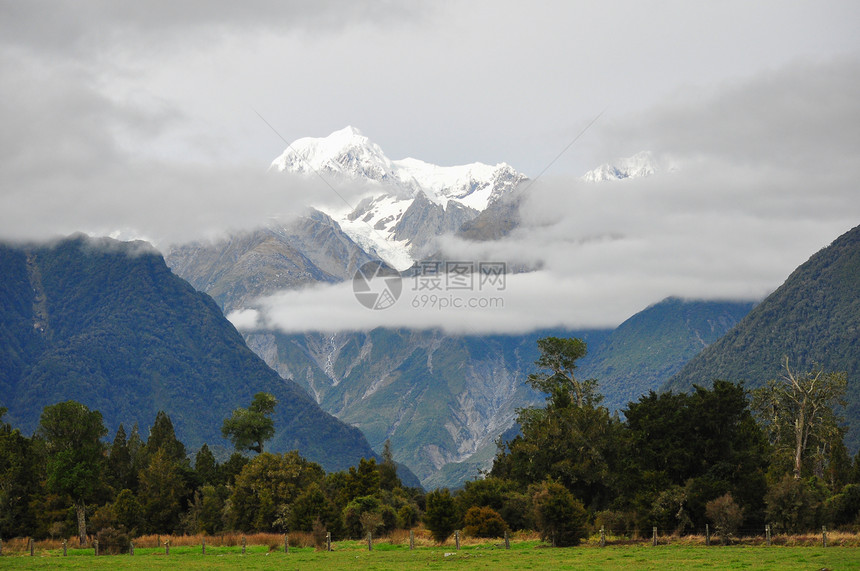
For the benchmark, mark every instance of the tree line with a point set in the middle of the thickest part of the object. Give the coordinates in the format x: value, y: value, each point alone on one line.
x: 722, y: 455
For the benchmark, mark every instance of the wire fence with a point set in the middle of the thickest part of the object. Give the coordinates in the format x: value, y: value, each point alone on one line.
x: 271, y: 542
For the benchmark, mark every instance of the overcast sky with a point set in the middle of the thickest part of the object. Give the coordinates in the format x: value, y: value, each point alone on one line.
x: 142, y: 118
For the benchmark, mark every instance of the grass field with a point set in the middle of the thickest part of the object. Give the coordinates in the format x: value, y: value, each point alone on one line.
x: 522, y: 555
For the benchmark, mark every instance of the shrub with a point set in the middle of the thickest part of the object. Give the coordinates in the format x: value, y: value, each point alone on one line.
x: 726, y: 516
x: 407, y: 516
x: 791, y: 506
x: 113, y: 541
x: 559, y: 516
x: 484, y: 522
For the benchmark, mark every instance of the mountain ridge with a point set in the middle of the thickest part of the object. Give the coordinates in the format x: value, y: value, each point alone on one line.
x: 109, y: 325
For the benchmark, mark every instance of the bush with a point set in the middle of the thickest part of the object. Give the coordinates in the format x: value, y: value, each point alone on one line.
x: 407, y: 516
x: 353, y: 512
x: 726, y: 516
x: 113, y: 541
x: 484, y: 522
x: 843, y: 509
x: 616, y: 522
x: 559, y: 516
x: 791, y: 506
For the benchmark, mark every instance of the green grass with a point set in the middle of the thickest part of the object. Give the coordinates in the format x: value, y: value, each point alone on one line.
x: 525, y: 555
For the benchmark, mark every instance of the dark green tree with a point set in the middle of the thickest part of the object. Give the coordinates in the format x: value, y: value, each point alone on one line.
x: 120, y: 463
x: 311, y: 505
x: 572, y: 439
x: 127, y: 512
x: 707, y: 443
x: 162, y: 436
x: 440, y: 516
x: 233, y: 467
x: 365, y: 479
x: 205, y: 467
x: 266, y: 488
x: 20, y: 475
x: 249, y: 428
x: 211, y: 516
x: 388, y: 479
x: 75, y: 454
x: 164, y: 492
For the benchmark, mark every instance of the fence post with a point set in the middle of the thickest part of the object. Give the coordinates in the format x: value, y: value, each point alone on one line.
x: 507, y: 540
x: 457, y: 539
x: 32, y: 548
x: 286, y: 543
x: 602, y: 536
x: 412, y: 539
x: 654, y: 537
x: 369, y: 541
x: 167, y: 547
x: 64, y: 548
x: 243, y: 545
x: 1, y: 547
x: 823, y: 536
x: 96, y: 546
x: 707, y: 536
x: 328, y: 541
x: 767, y: 534
x: 130, y: 548
x: 204, y: 546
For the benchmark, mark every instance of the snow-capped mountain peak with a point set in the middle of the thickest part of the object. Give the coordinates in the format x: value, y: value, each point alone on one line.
x: 391, y: 223
x: 345, y: 154
x: 639, y: 165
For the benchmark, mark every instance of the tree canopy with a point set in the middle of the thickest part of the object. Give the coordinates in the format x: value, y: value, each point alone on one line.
x: 249, y: 428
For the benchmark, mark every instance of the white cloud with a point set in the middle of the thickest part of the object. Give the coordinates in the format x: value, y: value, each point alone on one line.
x: 137, y: 120
x: 766, y: 175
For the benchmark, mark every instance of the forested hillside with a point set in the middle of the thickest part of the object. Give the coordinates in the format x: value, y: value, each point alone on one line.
x: 646, y: 350
x: 107, y: 324
x: 813, y: 319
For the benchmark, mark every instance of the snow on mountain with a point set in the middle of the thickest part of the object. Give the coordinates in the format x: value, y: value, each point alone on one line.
x: 639, y: 165
x: 453, y: 194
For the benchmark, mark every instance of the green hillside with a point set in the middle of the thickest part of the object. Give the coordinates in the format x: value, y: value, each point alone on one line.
x: 107, y: 324
x: 813, y: 318
x: 646, y: 350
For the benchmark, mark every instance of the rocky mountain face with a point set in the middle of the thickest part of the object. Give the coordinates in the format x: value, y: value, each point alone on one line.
x: 242, y: 267
x: 106, y: 323
x: 440, y: 399
x: 813, y: 319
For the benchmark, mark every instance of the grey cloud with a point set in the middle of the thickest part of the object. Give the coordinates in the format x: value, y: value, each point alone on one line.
x: 801, y: 116
x: 62, y: 26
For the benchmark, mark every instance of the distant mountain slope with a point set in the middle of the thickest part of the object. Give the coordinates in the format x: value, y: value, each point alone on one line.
x: 813, y: 318
x: 237, y: 269
x: 438, y: 398
x: 106, y: 323
x: 642, y: 353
